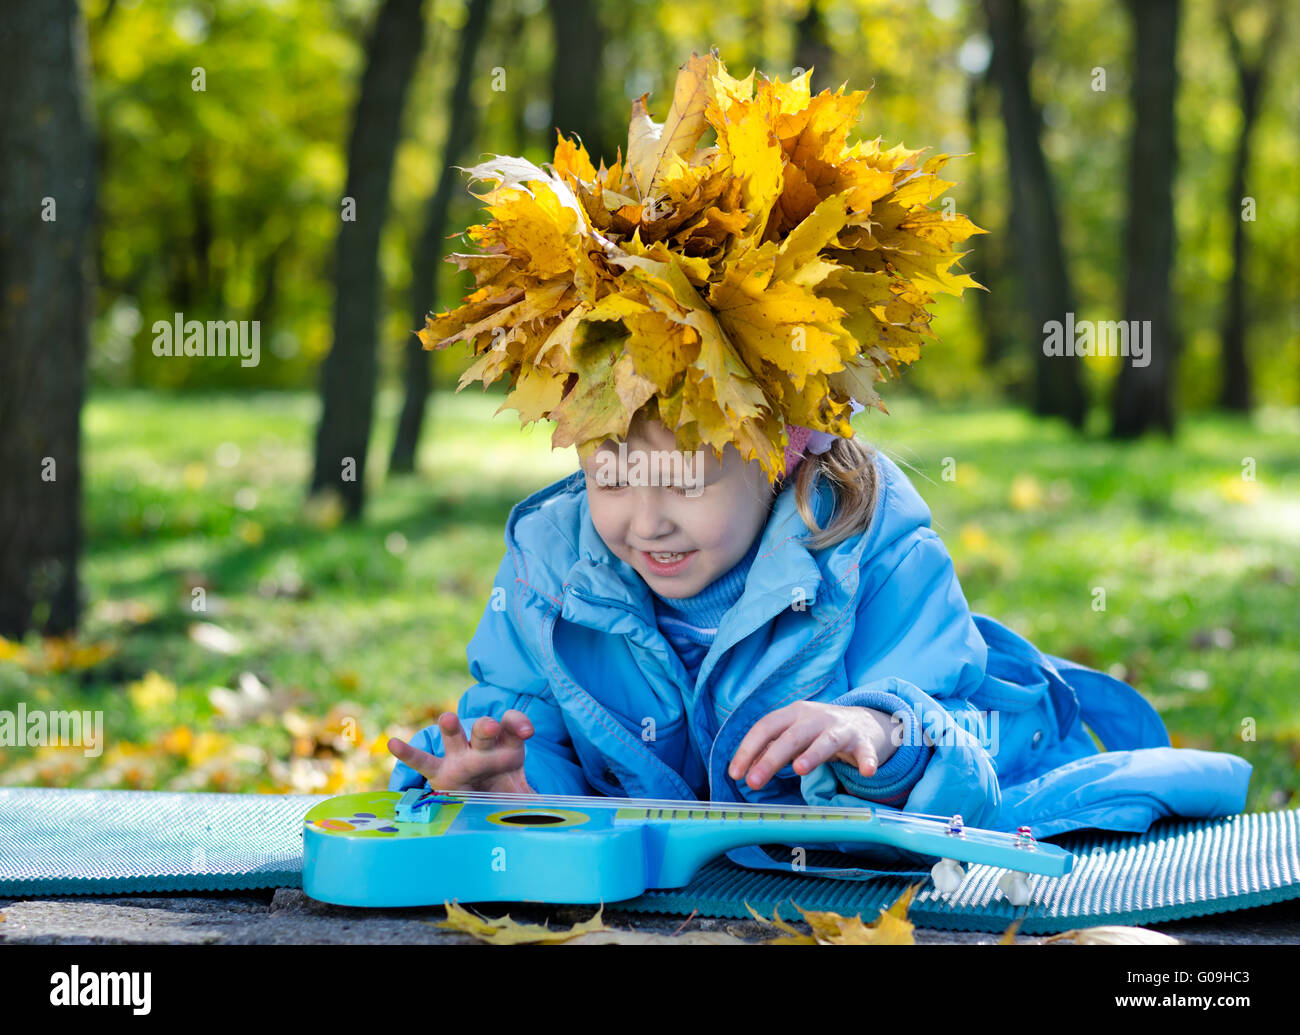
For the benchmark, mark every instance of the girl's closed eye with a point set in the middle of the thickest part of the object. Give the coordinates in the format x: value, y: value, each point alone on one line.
x: 681, y: 490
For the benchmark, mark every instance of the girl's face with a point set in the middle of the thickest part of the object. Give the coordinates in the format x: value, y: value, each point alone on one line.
x: 711, y: 520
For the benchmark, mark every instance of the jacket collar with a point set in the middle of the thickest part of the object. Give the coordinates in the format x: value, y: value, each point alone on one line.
x: 599, y: 580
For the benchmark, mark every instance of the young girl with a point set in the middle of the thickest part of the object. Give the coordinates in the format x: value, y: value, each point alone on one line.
x: 803, y: 645
x: 783, y: 634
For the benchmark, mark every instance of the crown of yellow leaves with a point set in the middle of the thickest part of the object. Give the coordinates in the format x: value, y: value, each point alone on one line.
x: 727, y: 290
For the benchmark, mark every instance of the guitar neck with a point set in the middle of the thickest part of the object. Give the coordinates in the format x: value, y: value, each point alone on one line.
x: 683, y: 839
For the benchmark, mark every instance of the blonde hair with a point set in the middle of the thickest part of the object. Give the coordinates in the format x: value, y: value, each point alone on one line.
x: 850, y: 467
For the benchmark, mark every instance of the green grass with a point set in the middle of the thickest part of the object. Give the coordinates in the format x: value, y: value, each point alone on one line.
x: 358, y: 631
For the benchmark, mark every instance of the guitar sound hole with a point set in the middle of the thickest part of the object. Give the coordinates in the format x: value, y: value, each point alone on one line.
x: 533, y: 818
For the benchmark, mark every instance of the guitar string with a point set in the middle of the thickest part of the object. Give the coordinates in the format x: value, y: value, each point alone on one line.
x: 890, y: 817
x: 557, y: 800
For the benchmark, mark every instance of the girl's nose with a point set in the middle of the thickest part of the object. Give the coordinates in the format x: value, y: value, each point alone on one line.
x: 649, y: 519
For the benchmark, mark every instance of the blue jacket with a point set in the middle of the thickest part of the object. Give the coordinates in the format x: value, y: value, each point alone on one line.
x: 994, y: 729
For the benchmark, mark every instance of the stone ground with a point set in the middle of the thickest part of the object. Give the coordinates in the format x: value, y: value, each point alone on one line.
x: 286, y: 916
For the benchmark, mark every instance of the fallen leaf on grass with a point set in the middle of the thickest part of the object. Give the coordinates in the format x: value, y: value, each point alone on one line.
x: 1114, y: 935
x: 251, y: 701
x: 1026, y: 493
x: 56, y: 654
x: 214, y: 638
x: 504, y: 931
x: 154, y: 693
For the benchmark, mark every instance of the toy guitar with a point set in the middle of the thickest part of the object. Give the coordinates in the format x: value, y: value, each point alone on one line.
x: 425, y: 847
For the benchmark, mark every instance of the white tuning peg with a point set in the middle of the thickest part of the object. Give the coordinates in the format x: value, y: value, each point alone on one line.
x: 1015, y: 886
x: 947, y: 875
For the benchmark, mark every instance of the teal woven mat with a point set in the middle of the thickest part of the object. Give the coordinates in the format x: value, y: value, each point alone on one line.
x: 77, y: 842
x: 70, y: 842
x: 1177, y: 869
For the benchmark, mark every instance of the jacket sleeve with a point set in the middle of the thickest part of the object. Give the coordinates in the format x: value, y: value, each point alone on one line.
x: 917, y: 654
x: 506, y: 677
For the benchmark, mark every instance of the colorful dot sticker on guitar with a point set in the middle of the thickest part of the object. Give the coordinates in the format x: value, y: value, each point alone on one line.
x: 538, y: 818
x: 358, y: 823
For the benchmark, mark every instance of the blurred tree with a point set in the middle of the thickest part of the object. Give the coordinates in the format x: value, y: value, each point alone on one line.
x: 428, y: 254
x: 1143, y: 396
x: 1045, y: 280
x: 349, y: 373
x: 47, y: 203
x: 756, y: 19
x: 514, y: 60
x: 1235, y: 391
x: 812, y: 49
x: 576, y: 73
x: 986, y: 263
x: 234, y: 180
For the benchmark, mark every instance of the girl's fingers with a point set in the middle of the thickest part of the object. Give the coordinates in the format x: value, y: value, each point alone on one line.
x: 483, y: 737
x: 760, y: 735
x: 779, y: 753
x: 825, y: 747
x: 864, y: 757
x: 515, y: 728
x: 421, y: 761
x: 453, y: 737
x: 493, y: 748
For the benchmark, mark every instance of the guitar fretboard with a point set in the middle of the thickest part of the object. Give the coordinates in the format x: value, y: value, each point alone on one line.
x: 715, y: 815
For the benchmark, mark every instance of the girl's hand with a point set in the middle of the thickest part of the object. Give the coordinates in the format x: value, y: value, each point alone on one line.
x: 811, y: 733
x: 492, y: 760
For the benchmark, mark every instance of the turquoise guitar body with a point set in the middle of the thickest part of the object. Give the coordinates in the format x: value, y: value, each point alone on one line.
x: 427, y: 847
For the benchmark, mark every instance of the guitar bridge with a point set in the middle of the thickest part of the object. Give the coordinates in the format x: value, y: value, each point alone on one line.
x: 419, y: 805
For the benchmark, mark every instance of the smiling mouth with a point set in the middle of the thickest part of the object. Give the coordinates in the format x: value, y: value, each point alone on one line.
x: 666, y: 564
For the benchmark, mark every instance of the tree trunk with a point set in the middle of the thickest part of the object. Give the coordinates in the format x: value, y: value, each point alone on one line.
x: 575, y: 76
x: 756, y: 15
x: 349, y: 372
x: 47, y: 284
x: 424, y: 272
x: 1235, y: 385
x: 1058, y: 386
x: 1144, y: 394
x: 985, y: 262
x: 510, y: 51
x: 811, y: 49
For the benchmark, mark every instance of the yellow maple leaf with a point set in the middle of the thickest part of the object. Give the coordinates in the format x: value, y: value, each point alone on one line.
x: 650, y: 144
x: 504, y: 931
x: 827, y: 928
x: 791, y: 937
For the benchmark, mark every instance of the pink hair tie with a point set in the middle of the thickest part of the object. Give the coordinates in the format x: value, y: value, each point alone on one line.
x: 806, y: 440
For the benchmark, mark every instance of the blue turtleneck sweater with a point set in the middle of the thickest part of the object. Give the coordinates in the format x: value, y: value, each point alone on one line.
x: 690, y: 624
